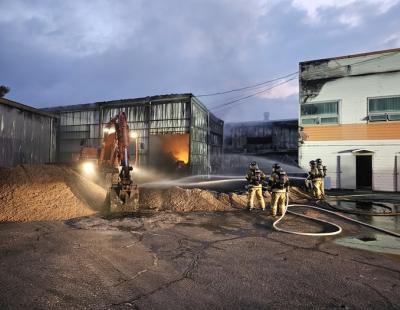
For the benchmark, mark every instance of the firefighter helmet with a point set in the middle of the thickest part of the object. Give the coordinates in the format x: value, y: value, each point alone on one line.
x: 276, y: 167
x: 253, y: 165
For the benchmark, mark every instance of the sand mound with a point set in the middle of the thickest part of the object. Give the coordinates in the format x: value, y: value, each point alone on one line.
x: 49, y: 192
x: 186, y: 200
x: 296, y: 195
x: 183, y: 200
x: 46, y: 192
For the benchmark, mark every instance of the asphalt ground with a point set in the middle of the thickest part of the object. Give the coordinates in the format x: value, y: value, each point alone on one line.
x: 221, y: 260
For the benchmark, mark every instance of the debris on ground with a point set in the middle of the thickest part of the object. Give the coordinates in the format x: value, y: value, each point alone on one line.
x: 134, y: 223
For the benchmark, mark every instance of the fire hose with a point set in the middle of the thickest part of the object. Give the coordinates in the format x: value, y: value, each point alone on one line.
x: 364, y: 213
x: 320, y: 234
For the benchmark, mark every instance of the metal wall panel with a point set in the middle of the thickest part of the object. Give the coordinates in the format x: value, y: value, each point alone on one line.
x: 198, y: 140
x: 77, y: 127
x: 25, y: 137
x: 216, y: 143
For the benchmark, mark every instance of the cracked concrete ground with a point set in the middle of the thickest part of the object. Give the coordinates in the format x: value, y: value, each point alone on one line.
x: 222, y: 260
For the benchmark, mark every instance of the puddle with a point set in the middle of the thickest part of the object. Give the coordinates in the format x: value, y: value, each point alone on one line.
x: 375, y: 243
x: 387, y: 222
x: 366, y: 239
x: 364, y: 206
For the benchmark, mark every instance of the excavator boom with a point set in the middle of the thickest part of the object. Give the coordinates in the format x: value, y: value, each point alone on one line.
x: 123, y: 194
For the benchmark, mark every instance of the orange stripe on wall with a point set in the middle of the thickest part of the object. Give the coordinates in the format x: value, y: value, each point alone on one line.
x: 370, y: 131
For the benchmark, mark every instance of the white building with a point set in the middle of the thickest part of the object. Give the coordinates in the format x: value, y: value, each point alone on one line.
x: 350, y: 118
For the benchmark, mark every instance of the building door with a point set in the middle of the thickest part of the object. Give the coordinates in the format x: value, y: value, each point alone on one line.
x: 347, y: 171
x: 364, y: 171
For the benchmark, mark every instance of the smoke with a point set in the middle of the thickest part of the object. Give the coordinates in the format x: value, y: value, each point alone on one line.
x: 238, y: 164
x: 169, y: 152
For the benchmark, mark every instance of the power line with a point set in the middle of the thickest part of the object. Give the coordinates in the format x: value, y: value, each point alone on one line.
x: 252, y: 95
x: 284, y: 82
x: 247, y: 87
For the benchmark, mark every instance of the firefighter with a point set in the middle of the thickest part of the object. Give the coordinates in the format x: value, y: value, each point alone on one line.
x: 278, y: 185
x: 255, y: 178
x: 275, y: 170
x: 315, y: 178
x: 322, y: 172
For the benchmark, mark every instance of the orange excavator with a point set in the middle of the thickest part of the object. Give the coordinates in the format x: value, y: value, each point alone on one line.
x: 113, y: 165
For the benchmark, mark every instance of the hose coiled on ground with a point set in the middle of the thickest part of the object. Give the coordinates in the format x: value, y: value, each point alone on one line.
x: 338, y: 228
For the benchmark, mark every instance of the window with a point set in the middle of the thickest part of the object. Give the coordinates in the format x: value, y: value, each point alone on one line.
x: 384, y: 109
x: 320, y: 113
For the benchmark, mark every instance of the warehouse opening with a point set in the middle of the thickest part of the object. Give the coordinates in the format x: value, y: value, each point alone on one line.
x: 169, y: 152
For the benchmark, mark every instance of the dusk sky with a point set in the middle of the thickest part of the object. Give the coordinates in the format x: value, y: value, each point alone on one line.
x: 70, y: 52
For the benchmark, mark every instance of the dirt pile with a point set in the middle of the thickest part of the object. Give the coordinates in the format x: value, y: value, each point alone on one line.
x: 186, y: 200
x: 50, y: 192
x: 183, y: 200
x: 46, y: 192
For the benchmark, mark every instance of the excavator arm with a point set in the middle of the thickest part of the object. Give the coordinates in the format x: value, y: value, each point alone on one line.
x: 123, y: 194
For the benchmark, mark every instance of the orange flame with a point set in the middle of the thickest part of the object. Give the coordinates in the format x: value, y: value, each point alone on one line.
x: 177, y: 145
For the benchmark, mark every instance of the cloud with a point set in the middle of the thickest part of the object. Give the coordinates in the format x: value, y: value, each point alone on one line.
x: 393, y: 41
x: 68, y: 52
x: 74, y: 28
x: 351, y: 20
x: 84, y: 28
x: 315, y: 9
x: 282, y: 91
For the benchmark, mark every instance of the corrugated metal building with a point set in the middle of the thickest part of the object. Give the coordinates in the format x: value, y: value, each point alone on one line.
x: 262, y: 137
x: 350, y: 118
x: 261, y: 141
x: 169, y: 127
x: 27, y: 135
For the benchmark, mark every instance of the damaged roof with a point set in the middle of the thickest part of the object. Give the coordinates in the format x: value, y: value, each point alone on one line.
x: 95, y: 105
x: 393, y: 50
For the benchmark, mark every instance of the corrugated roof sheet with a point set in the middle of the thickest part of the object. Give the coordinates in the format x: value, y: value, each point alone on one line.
x: 24, y: 107
x: 94, y: 105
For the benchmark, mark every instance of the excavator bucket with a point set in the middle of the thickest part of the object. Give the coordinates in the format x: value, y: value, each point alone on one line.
x: 123, y: 201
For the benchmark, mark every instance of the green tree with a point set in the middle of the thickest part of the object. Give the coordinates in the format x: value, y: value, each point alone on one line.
x: 4, y: 90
